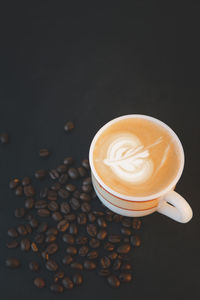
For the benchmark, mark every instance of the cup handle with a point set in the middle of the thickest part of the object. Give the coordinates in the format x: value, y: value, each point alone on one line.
x: 175, y: 207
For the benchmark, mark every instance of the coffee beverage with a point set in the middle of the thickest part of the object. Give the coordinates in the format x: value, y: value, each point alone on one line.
x: 136, y: 156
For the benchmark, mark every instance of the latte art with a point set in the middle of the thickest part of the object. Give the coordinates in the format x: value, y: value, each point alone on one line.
x: 129, y: 160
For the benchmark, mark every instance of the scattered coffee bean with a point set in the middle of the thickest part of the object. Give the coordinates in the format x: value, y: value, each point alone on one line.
x: 44, y: 152
x: 109, y: 246
x: 22, y: 229
x: 102, y: 234
x: 68, y: 126
x: 25, y: 244
x: 126, y: 231
x: 63, y: 179
x: 43, y: 212
x: 52, y: 195
x: 34, y: 266
x: 67, y: 283
x: 53, y: 206
x: 85, y: 164
x: 91, y: 217
x: 70, y: 217
x: 71, y: 250
x: 75, y: 204
x: 19, y: 212
x: 68, y: 161
x: 57, y: 216
x: 126, y: 267
x: 14, y: 183
x: 87, y: 181
x: 135, y: 241
x: 40, y: 174
x: 126, y: 222
x: 104, y: 272
x: 73, y: 173
x: 82, y: 219
x: 101, y: 222
x: 68, y: 238
x: 54, y: 174
x: 40, y: 204
x: 89, y: 265
x: 67, y: 260
x: 39, y: 238
x: 113, y: 281
x: 12, y: 244
x: 92, y: 254
x: 64, y: 208
x: 76, y: 266
x: 114, y: 238
x: 29, y: 191
x: 62, y: 193
x: 82, y: 171
x: 73, y: 228
x: 56, y: 288
x: 12, y: 263
x: 45, y: 255
x: 70, y: 187
x: 85, y: 197
x: 113, y: 255
x: 83, y: 251
x: 52, y: 231
x: 61, y: 168
x: 50, y: 238
x: 117, y: 264
x: 63, y: 225
x: 94, y: 243
x: 56, y: 186
x: 34, y: 247
x: 34, y: 223
x: 124, y: 248
x: 86, y: 188
x: 136, y: 223
x: 77, y: 279
x: 81, y: 240
x: 58, y: 275
x: 39, y: 282
x: 126, y: 240
x: 4, y: 138
x: 12, y: 232
x: 116, y: 218
x: 26, y: 181
x: 125, y: 277
x: 105, y: 262
x: 29, y: 203
x: 51, y: 265
x: 19, y: 190
x: 52, y: 248
x: 92, y: 230
x: 43, y: 192
x: 85, y: 207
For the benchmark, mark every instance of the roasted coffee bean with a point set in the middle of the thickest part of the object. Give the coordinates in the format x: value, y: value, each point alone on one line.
x: 108, y: 218
x: 19, y: 212
x: 68, y: 126
x: 52, y: 231
x: 14, y: 183
x: 67, y: 260
x: 76, y: 194
x: 61, y: 169
x: 56, y: 186
x: 44, y: 152
x: 51, y: 265
x: 34, y: 223
x: 113, y: 281
x: 101, y: 222
x: 41, y: 204
x: 26, y: 181
x: 52, y: 195
x: 71, y: 250
x: 94, y: 243
x: 59, y: 275
x: 29, y: 191
x: 56, y: 288
x: 68, y: 238
x: 64, y: 208
x: 126, y: 231
x: 50, y: 238
x: 68, y: 161
x: 34, y: 247
x: 39, y: 238
x: 76, y: 266
x: 63, y: 225
x: 57, y: 216
x: 75, y: 204
x: 43, y: 212
x: 125, y: 277
x: 52, y: 248
x: 63, y: 178
x: 25, y: 244
x: 45, y: 255
x: 67, y: 283
x: 86, y: 188
x: 126, y: 222
x: 105, y: 262
x: 126, y: 240
x: 92, y: 230
x: 116, y: 218
x: 12, y: 244
x: 81, y: 240
x: 94, y: 195
x: 85, y: 197
x: 39, y: 282
x: 135, y: 240
x: 136, y: 223
x: 70, y: 187
x: 89, y: 265
x: 82, y: 219
x: 126, y: 267
x: 62, y: 193
x: 109, y: 246
x: 113, y: 255
x: 104, y: 272
x: 85, y: 207
x: 29, y: 203
x: 77, y: 279
x: 53, y: 206
x: 19, y: 191
x: 87, y: 181
x: 54, y: 174
x: 91, y: 217
x: 70, y: 217
x: 82, y: 171
x: 114, y: 238
x: 4, y: 139
x: 12, y: 263
x: 83, y: 251
x: 73, y: 173
x: 28, y: 216
x: 102, y: 234
x: 43, y: 192
x: 12, y: 232
x: 124, y: 248
x: 40, y: 174
x: 28, y: 228
x: 98, y: 213
x: 85, y: 164
x: 34, y: 266
x: 92, y: 254
x: 22, y: 229
x: 117, y: 264
x: 73, y: 228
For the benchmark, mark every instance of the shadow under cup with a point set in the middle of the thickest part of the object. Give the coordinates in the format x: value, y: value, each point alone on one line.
x: 125, y: 205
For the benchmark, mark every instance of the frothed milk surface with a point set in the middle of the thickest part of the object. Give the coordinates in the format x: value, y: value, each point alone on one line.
x: 136, y: 157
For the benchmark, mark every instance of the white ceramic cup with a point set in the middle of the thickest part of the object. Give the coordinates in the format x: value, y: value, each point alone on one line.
x: 167, y: 202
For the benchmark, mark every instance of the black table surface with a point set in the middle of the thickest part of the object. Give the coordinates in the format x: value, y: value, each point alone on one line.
x: 92, y: 63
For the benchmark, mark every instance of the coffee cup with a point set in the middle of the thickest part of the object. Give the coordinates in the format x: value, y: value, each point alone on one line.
x: 136, y: 162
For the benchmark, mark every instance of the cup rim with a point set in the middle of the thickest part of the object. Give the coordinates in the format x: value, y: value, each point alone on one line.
x: 138, y: 198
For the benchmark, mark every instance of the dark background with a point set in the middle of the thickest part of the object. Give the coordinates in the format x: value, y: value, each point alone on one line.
x: 91, y: 63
